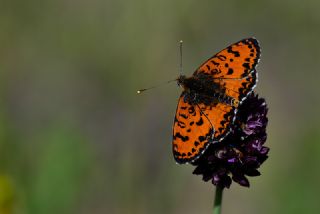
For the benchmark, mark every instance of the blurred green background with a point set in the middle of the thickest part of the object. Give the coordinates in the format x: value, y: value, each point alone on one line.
x: 75, y: 137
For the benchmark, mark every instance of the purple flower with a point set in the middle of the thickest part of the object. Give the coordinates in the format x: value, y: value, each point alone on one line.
x: 242, y: 152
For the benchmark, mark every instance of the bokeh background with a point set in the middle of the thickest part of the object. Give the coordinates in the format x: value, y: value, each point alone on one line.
x: 76, y: 138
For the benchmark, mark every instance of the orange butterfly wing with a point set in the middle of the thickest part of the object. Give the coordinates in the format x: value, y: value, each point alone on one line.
x: 234, y: 67
x: 196, y: 126
x: 191, y: 132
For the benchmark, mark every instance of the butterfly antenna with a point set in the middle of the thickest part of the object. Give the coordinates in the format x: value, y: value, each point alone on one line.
x: 181, y: 57
x: 144, y: 89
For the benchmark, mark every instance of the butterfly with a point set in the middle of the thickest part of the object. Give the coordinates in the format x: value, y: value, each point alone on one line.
x: 208, y: 104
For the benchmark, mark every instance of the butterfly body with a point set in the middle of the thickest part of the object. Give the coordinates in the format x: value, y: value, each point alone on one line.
x: 203, y: 89
x: 208, y: 104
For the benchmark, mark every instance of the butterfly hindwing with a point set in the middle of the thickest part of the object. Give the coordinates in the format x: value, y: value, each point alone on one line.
x: 221, y: 116
x: 196, y: 126
x: 192, y: 132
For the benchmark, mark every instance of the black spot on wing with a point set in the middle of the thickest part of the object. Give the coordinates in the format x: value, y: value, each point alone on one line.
x: 235, y: 53
x: 181, y: 124
x: 192, y: 111
x: 202, y: 138
x: 230, y: 71
x: 222, y: 57
x: 200, y: 122
x: 183, y: 138
x: 214, y: 62
x: 184, y: 116
x: 246, y: 65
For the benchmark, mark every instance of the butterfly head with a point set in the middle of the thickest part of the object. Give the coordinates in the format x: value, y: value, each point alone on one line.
x: 181, y: 80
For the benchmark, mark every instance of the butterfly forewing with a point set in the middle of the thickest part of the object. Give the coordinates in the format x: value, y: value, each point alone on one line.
x: 234, y: 67
x: 236, y: 61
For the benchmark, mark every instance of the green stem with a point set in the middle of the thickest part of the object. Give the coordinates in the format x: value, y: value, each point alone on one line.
x: 217, y: 200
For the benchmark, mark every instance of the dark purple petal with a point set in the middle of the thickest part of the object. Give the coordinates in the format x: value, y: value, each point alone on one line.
x: 222, y: 180
x: 251, y: 161
x: 263, y: 158
x: 206, y: 178
x: 221, y: 153
x: 252, y: 172
x: 241, y: 179
x: 264, y: 150
x: 232, y: 160
x: 198, y: 171
x: 253, y: 124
